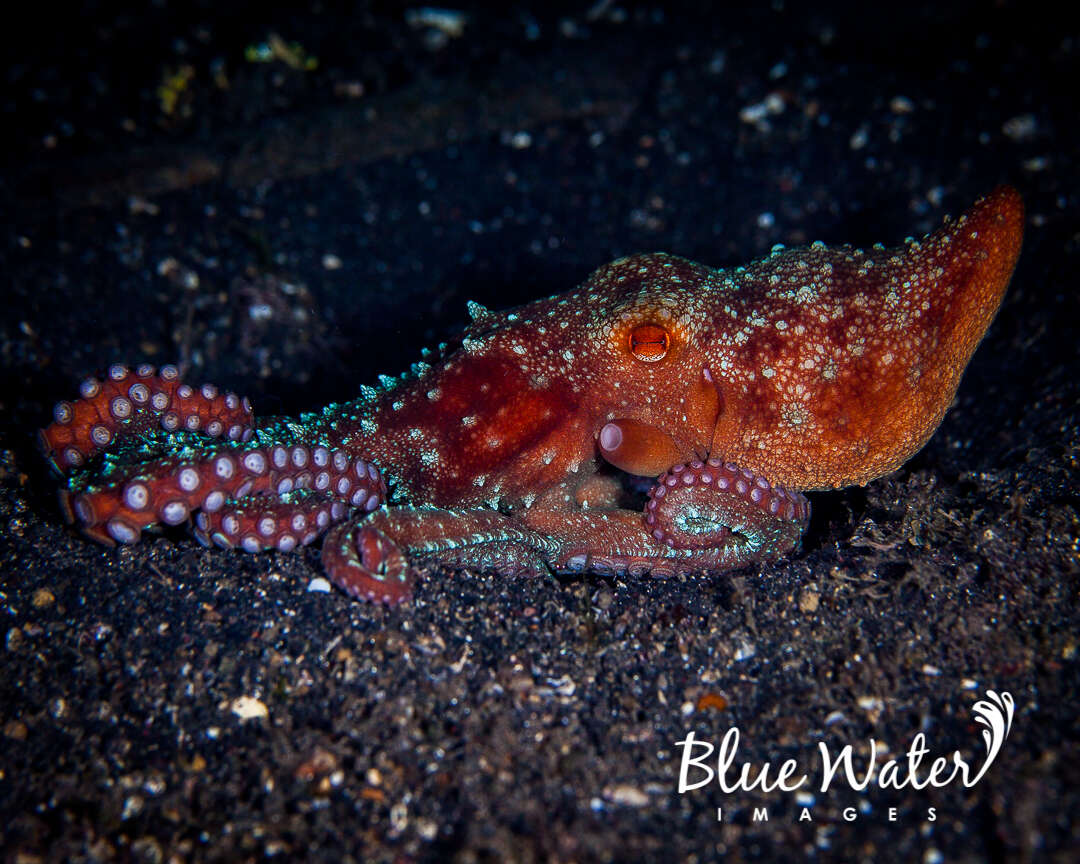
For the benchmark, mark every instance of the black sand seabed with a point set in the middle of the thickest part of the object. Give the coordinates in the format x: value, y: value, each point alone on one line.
x: 285, y: 235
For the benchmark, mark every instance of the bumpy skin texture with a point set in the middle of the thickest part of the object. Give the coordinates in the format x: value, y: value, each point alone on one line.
x: 814, y: 368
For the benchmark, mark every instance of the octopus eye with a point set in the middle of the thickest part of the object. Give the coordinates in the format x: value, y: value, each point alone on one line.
x: 649, y: 342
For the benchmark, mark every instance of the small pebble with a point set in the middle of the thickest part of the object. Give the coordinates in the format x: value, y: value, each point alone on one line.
x: 711, y: 700
x: 16, y: 730
x: 809, y: 600
x: 1021, y: 127
x: 248, y: 708
x: 627, y: 795
x: 901, y: 105
x: 43, y: 597
x: 745, y: 651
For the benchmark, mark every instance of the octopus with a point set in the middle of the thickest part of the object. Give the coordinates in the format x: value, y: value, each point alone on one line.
x: 664, y: 418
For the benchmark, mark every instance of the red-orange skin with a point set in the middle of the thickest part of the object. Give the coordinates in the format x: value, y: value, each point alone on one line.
x: 814, y: 368
x: 876, y: 376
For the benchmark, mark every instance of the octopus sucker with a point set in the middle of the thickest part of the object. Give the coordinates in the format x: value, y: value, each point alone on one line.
x: 523, y: 450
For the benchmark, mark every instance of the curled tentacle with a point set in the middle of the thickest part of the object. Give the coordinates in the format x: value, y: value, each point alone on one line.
x: 701, y: 505
x: 364, y: 563
x: 129, y: 402
x: 261, y: 492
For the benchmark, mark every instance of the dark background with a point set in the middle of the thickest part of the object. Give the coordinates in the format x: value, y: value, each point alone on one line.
x: 290, y: 232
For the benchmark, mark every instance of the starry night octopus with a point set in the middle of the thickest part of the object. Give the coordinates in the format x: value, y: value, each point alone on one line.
x: 516, y: 449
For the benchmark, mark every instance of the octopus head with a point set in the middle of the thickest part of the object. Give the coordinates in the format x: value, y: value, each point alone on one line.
x: 654, y: 399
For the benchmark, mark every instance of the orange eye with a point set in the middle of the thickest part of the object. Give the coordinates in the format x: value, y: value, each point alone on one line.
x: 649, y: 342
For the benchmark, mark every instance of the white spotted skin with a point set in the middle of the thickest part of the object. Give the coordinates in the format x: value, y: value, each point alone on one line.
x: 815, y: 367
x: 837, y: 365
x: 812, y: 368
